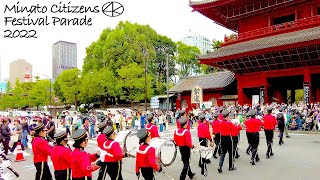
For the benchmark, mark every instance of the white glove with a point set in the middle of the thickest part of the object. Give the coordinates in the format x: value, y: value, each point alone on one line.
x: 51, y: 144
x: 6, y: 176
x: 1, y: 151
x: 102, y: 155
x: 5, y: 164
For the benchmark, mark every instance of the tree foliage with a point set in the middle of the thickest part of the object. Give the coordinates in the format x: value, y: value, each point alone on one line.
x: 115, y: 67
x: 69, y: 83
x: 26, y: 94
x: 132, y: 81
x: 187, y: 59
x: 98, y: 84
x: 216, y: 44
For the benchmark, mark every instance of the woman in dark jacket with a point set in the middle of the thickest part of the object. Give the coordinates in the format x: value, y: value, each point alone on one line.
x: 281, y: 124
x: 5, y: 132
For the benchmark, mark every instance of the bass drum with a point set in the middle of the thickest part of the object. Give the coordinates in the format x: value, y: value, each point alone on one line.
x: 166, y: 151
x: 128, y: 140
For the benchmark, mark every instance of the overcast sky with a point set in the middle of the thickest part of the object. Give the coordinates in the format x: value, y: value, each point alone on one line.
x: 172, y: 18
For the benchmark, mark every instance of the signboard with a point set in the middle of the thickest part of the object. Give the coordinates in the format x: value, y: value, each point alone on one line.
x: 154, y: 102
x: 306, y: 92
x: 196, y: 95
x: 255, y: 100
x: 262, y: 95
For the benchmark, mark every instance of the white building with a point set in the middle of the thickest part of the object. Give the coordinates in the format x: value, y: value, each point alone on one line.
x: 202, y: 42
x: 64, y: 56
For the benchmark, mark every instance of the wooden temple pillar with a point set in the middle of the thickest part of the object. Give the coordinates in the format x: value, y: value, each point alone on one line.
x: 292, y: 95
x: 240, y: 91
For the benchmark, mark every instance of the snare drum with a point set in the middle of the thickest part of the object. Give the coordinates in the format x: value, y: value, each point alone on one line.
x: 206, y: 152
x: 128, y: 140
x: 166, y: 151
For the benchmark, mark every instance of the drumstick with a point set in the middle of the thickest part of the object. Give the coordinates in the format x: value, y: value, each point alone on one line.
x: 167, y: 175
x: 198, y: 144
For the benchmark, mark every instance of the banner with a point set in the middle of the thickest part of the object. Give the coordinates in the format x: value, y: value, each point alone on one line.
x: 196, y: 95
x: 262, y: 95
x: 255, y: 100
x: 306, y: 92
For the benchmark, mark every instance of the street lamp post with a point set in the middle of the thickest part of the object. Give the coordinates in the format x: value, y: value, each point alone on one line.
x: 50, y: 101
x: 145, y: 78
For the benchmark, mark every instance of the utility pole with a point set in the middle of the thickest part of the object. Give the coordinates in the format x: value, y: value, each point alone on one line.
x: 167, y: 64
x: 145, y: 78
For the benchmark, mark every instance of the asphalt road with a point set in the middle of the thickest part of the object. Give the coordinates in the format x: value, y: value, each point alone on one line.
x: 297, y: 159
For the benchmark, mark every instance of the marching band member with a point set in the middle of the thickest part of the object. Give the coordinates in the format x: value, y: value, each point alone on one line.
x: 101, y: 139
x: 226, y: 141
x: 41, y: 150
x: 184, y: 114
x: 281, y: 125
x: 151, y: 128
x: 203, y: 131
x: 82, y: 167
x: 114, y: 154
x: 216, y: 132
x: 270, y: 123
x: 145, y: 158
x: 182, y: 138
x: 235, y: 131
x: 204, y: 136
x: 253, y: 126
x: 61, y: 157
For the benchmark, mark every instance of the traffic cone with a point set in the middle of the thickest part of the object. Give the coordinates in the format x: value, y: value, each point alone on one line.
x: 19, y: 156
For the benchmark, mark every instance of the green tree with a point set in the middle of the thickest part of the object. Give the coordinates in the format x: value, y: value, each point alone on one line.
x: 98, y: 84
x: 6, y: 98
x: 132, y: 83
x: 40, y: 94
x: 120, y: 46
x: 117, y: 48
x: 157, y: 67
x: 68, y: 84
x: 205, y: 69
x: 187, y: 59
x: 216, y: 44
x: 18, y: 95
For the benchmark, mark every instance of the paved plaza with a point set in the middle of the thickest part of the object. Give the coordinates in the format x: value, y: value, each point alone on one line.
x: 297, y: 159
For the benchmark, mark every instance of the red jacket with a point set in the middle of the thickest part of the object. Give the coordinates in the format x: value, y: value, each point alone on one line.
x: 225, y: 128
x: 81, y: 163
x: 203, y: 131
x: 253, y: 125
x: 153, y: 130
x: 235, y: 130
x: 41, y: 150
x: 216, y: 126
x: 114, y: 151
x: 188, y: 124
x: 270, y: 122
x: 61, y: 157
x: 146, y: 157
x: 101, y: 139
x: 182, y: 137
